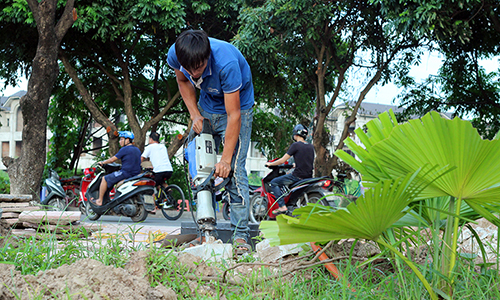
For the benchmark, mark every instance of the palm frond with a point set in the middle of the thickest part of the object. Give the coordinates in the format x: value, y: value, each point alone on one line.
x: 368, y: 218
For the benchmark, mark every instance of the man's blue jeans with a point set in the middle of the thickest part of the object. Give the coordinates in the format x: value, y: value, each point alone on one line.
x: 237, y: 187
x: 284, y: 180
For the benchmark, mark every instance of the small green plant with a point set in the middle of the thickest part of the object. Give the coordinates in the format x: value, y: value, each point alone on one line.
x: 254, y: 179
x: 352, y: 187
x: 4, y: 183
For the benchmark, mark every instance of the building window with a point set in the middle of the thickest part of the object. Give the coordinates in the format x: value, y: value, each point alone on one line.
x: 255, y: 150
x: 8, y: 122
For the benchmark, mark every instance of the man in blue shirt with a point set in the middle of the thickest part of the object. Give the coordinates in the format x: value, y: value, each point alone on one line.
x: 130, y: 156
x: 224, y: 78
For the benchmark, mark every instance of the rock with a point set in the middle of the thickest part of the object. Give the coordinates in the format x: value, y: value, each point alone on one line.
x: 15, y: 198
x: 269, y: 254
x: 51, y: 217
x: 488, y: 234
x: 211, y: 251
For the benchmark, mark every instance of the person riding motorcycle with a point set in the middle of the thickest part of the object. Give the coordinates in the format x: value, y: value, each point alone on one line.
x: 303, y: 154
x: 130, y: 156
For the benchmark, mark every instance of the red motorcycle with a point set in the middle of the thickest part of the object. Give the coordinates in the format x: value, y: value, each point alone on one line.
x: 71, y: 187
x: 309, y: 190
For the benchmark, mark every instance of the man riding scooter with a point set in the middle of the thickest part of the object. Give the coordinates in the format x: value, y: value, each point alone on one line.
x: 303, y: 154
x: 130, y: 156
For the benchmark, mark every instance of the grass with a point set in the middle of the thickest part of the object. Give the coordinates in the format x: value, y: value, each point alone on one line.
x: 368, y: 281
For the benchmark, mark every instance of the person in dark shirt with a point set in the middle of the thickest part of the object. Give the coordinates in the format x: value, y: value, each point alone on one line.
x: 130, y: 156
x: 303, y: 154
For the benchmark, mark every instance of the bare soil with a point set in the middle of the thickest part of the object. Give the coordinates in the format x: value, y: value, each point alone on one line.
x: 91, y: 279
x: 85, y: 279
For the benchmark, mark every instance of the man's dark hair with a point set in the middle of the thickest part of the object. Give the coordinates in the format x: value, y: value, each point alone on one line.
x: 155, y: 136
x: 192, y: 48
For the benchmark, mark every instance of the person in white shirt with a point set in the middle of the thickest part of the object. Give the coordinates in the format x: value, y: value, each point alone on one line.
x: 158, y: 155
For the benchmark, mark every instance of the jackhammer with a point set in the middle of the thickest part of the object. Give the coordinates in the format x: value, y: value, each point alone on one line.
x: 202, y: 157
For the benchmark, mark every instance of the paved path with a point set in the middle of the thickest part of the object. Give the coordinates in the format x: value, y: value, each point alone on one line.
x: 155, y: 225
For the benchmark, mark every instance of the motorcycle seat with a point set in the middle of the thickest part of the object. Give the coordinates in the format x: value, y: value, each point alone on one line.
x: 119, y: 183
x: 140, y: 175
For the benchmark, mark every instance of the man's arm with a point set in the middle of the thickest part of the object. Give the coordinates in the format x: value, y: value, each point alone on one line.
x: 233, y: 110
x: 279, y: 161
x: 108, y: 161
x: 188, y: 94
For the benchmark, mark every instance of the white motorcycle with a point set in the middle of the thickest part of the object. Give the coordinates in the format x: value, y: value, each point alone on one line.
x: 133, y: 197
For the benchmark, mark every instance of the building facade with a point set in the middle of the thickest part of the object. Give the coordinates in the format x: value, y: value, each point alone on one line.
x: 11, y: 126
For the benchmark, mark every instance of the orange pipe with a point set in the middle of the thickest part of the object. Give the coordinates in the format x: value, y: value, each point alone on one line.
x: 329, y: 266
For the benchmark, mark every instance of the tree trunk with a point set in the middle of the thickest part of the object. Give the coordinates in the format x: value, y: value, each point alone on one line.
x: 177, y: 142
x: 25, y: 172
x: 321, y: 166
x: 77, y: 150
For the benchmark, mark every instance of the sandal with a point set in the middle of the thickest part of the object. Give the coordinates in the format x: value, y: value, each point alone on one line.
x: 94, y: 202
x: 279, y: 212
x: 241, y: 247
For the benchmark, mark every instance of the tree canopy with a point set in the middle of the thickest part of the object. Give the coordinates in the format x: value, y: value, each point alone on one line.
x: 465, y: 33
x: 305, y: 50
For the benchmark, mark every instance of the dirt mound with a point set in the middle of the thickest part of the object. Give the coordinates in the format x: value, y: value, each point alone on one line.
x: 85, y: 279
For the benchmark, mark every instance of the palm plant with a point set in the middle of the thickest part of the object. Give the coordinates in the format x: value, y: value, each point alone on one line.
x: 468, y: 167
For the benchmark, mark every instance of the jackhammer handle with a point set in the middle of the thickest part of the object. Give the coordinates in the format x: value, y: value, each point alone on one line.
x: 206, y: 126
x: 217, y: 187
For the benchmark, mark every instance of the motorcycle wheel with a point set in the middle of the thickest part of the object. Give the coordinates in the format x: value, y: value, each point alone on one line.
x: 141, y: 215
x: 73, y: 196
x: 226, y: 211
x: 171, y: 207
x: 57, y: 204
x: 82, y: 208
x: 91, y: 215
x: 258, y: 209
x: 313, y: 197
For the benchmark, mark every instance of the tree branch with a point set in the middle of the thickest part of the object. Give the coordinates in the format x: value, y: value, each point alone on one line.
x: 66, y: 21
x: 96, y: 112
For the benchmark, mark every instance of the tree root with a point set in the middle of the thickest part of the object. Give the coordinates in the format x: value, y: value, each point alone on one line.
x: 303, y: 264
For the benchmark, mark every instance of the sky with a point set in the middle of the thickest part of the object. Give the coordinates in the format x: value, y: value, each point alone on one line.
x: 430, y: 65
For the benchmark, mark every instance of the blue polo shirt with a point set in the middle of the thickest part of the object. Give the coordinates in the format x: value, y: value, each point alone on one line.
x: 131, y: 160
x: 227, y: 71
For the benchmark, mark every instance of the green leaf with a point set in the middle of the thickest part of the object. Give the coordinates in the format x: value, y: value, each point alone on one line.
x: 436, y: 142
x: 369, y: 217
